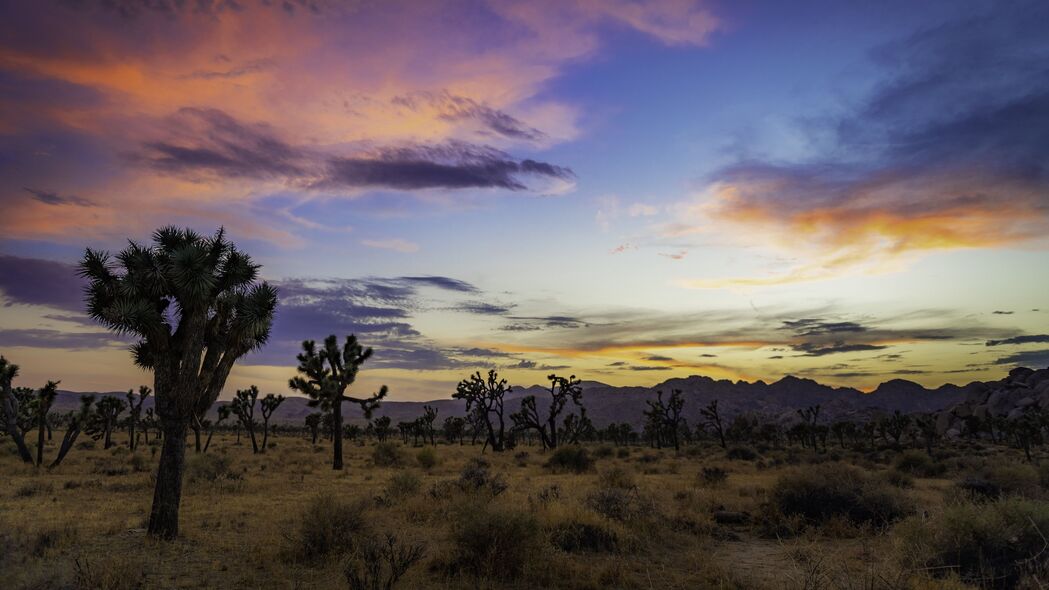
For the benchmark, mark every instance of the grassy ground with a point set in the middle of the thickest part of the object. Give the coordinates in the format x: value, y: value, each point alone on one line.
x: 638, y: 518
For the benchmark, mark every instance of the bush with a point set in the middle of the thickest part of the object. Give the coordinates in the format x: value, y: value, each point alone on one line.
x: 835, y: 491
x: 713, y: 476
x: 619, y: 504
x: 622, y: 452
x: 329, y: 526
x: 899, y: 479
x: 616, y: 477
x: 741, y: 454
x: 387, y: 454
x: 577, y: 536
x: 988, y: 545
x: 603, y: 452
x: 210, y: 468
x: 920, y: 464
x: 1003, y: 479
x: 427, y: 458
x: 494, y: 542
x: 403, y: 484
x: 571, y: 458
x: 475, y: 477
x: 111, y: 573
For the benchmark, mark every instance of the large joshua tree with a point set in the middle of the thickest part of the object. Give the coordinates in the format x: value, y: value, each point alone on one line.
x: 9, y: 408
x: 325, y: 374
x: 562, y: 392
x: 484, y: 399
x: 196, y: 307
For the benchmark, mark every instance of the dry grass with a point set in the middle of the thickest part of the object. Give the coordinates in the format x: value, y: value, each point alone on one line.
x: 638, y: 519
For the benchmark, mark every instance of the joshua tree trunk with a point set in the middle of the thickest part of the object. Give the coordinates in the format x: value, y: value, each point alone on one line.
x: 10, y: 411
x: 40, y: 443
x: 336, y: 415
x: 163, y: 519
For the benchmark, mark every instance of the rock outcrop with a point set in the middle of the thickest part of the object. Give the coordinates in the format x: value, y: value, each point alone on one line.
x: 1024, y: 390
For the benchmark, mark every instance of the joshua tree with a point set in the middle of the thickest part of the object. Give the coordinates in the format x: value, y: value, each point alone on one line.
x: 9, y: 408
x: 426, y: 423
x: 562, y: 392
x: 454, y: 428
x: 713, y: 418
x: 194, y: 303
x: 135, y: 411
x: 325, y: 376
x: 843, y: 429
x: 149, y: 421
x: 895, y: 425
x: 45, y: 399
x: 927, y: 429
x: 381, y: 427
x: 224, y: 413
x: 313, y: 423
x: 77, y: 422
x: 243, y: 406
x: 809, y: 416
x: 484, y: 399
x: 107, y: 412
x: 270, y: 403
x: 667, y: 416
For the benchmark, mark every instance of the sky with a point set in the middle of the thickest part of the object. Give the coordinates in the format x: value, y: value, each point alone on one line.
x: 623, y: 190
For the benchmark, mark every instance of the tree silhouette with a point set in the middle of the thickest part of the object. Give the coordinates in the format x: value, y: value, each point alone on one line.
x: 562, y: 392
x: 194, y: 303
x: 313, y: 423
x: 713, y: 417
x: 325, y: 376
x: 243, y: 407
x: 9, y: 407
x: 77, y: 421
x: 104, y: 420
x: 666, y: 417
x: 44, y: 400
x: 135, y: 411
x: 269, y: 404
x: 484, y: 399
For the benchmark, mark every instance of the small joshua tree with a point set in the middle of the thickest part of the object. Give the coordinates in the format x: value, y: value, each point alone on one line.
x: 484, y: 401
x: 44, y: 400
x: 562, y: 392
x: 325, y: 375
x: 454, y: 428
x: 713, y: 418
x: 666, y: 416
x: 269, y: 404
x: 381, y: 428
x: 107, y: 413
x: 10, y: 408
x: 77, y: 422
x: 809, y: 417
x: 135, y: 412
x: 243, y: 406
x: 313, y: 423
x: 224, y: 412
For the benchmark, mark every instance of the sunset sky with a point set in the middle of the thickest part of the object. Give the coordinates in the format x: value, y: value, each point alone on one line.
x: 628, y: 191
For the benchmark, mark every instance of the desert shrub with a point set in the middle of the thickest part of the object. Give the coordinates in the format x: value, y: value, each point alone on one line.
x: 85, y: 445
x: 403, y: 484
x: 112, y: 573
x: 990, y: 545
x: 741, y: 454
x: 49, y: 538
x: 379, y: 564
x: 603, y: 452
x: 490, y: 541
x: 996, y: 479
x: 619, y: 504
x: 571, y: 458
x: 898, y: 479
x: 918, y: 463
x: 833, y: 490
x: 427, y: 458
x: 140, y: 463
x: 33, y: 488
x: 616, y: 477
x: 648, y: 458
x: 521, y: 457
x: 713, y: 476
x: 547, y: 495
x: 387, y: 454
x: 579, y: 536
x: 476, y: 477
x: 210, y: 468
x: 622, y: 452
x: 328, y: 526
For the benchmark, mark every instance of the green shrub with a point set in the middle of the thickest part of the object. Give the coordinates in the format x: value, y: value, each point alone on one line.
x: 575, y: 536
x: 616, y: 477
x: 741, y: 454
x: 210, y: 468
x: 713, y: 477
x: 403, y: 484
x: 920, y: 464
x: 833, y: 491
x: 620, y: 504
x: 427, y: 458
x: 475, y: 477
x: 387, y: 454
x: 571, y: 458
x: 494, y: 542
x: 990, y: 545
x: 329, y: 526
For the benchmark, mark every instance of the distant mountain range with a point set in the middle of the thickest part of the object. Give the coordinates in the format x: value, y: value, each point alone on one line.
x: 607, y: 403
